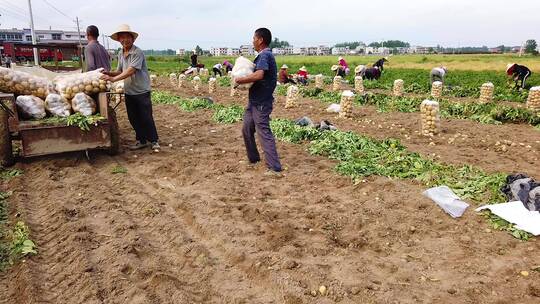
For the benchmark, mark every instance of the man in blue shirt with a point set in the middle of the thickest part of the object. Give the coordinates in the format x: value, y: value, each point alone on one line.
x: 261, y: 99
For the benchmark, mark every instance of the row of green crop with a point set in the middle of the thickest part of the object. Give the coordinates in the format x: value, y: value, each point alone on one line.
x: 360, y: 156
x: 15, y: 240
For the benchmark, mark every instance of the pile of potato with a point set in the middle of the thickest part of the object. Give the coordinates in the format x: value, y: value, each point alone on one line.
x: 211, y: 85
x: 398, y: 87
x: 83, y: 104
x: 31, y: 107
x: 486, y: 92
x: 118, y: 87
x: 173, y: 78
x: 292, y: 97
x: 337, y: 83
x: 196, y: 83
x: 533, y: 101
x: 57, y: 105
x: 436, y: 89
x: 346, y: 105
x: 204, y: 72
x: 88, y: 83
x: 233, y: 90
x: 359, y: 84
x: 429, y: 111
x: 319, y: 81
x: 21, y: 83
x: 181, y: 80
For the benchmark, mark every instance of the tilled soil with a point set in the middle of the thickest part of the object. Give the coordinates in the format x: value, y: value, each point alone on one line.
x: 195, y: 223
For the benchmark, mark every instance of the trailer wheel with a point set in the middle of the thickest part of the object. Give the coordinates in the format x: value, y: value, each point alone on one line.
x: 114, y: 131
x: 6, y: 150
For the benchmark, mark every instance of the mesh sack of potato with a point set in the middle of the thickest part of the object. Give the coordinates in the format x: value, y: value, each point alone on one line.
x: 486, y: 92
x: 57, y: 105
x: 431, y: 121
x: 118, y: 87
x: 242, y: 68
x: 346, y: 105
x: 181, y: 80
x: 336, y: 86
x: 359, y: 84
x: 204, y: 72
x: 88, y: 83
x: 319, y: 81
x: 153, y: 79
x: 398, y: 87
x: 196, y: 83
x: 83, y: 104
x: 173, y: 78
x: 292, y: 97
x: 30, y: 107
x: 533, y: 101
x: 436, y: 89
x: 233, y: 90
x: 212, y: 85
x: 21, y: 83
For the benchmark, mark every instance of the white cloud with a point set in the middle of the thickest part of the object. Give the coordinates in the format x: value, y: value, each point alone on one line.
x: 175, y: 24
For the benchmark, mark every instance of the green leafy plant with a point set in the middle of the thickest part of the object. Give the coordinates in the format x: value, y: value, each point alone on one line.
x: 118, y: 169
x: 227, y: 114
x: 9, y: 174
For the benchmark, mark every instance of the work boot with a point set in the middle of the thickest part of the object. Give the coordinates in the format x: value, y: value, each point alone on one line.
x: 273, y: 174
x: 139, y: 145
x: 156, y: 146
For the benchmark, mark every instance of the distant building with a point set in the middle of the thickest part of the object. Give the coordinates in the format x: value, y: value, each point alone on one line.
x: 218, y: 51
x: 180, y: 52
x: 288, y: 50
x: 340, y: 50
x: 247, y: 50
x: 323, y: 50
x: 233, y: 52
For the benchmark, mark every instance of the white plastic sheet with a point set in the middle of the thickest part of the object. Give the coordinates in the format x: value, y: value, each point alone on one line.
x: 516, y: 213
x: 447, y: 200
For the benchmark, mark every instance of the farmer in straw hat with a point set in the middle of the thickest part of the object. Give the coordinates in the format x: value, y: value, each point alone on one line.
x: 284, y: 76
x: 520, y: 73
x: 133, y: 70
x: 302, y: 75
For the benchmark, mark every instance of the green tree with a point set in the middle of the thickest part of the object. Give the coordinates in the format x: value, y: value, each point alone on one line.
x: 530, y: 47
x: 198, y: 50
x: 276, y: 43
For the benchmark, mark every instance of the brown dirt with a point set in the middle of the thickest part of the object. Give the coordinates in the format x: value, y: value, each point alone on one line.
x: 196, y: 224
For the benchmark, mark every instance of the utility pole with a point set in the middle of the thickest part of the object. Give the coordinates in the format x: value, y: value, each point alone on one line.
x: 80, y: 43
x: 34, y: 40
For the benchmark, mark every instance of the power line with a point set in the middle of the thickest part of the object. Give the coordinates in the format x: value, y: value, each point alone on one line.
x: 57, y: 10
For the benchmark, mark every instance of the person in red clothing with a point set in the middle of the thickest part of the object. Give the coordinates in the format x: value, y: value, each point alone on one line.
x: 343, y: 69
x: 284, y: 76
x: 302, y: 75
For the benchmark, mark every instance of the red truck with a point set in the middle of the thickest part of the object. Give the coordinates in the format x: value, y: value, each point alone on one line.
x: 25, y: 52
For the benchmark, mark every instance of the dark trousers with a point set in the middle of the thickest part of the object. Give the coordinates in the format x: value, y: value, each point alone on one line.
x: 257, y: 119
x: 139, y: 111
x: 216, y: 71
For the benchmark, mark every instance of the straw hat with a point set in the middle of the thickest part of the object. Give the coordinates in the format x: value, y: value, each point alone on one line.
x: 509, y: 66
x: 340, y: 58
x: 335, y: 67
x: 124, y: 28
x: 284, y: 66
x: 303, y: 69
x: 386, y: 58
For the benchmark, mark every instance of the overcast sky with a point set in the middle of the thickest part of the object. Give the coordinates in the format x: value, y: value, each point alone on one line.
x: 183, y: 24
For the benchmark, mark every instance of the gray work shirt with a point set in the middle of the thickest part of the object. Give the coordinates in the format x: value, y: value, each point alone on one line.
x: 96, y: 57
x: 138, y: 83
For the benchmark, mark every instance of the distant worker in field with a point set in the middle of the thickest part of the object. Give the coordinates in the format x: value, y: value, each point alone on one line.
x: 372, y: 73
x: 520, y: 73
x: 302, y: 75
x: 343, y: 68
x: 228, y: 66
x: 217, y: 69
x: 380, y: 63
x: 95, y: 54
x: 438, y: 74
x: 193, y: 57
x: 261, y: 101
x: 8, y: 61
x: 360, y: 70
x: 284, y: 76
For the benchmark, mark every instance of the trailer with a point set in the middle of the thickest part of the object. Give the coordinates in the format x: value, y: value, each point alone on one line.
x: 40, y: 138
